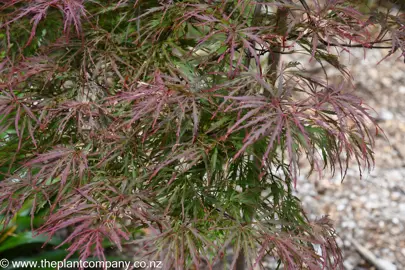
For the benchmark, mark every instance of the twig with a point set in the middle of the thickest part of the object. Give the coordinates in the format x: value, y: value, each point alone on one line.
x: 368, y: 255
x: 370, y: 45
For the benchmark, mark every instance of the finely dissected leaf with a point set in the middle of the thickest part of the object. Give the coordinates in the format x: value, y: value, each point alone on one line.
x: 73, y: 11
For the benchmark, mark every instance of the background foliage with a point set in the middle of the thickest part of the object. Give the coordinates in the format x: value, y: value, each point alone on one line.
x: 176, y: 116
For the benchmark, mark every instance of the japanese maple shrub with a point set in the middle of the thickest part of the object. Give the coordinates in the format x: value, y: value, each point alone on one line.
x: 181, y: 117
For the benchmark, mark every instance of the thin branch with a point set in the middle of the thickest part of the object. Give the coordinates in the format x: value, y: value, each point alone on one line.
x: 356, y: 45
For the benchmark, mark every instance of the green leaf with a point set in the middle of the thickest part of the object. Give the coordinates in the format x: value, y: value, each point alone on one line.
x: 27, y: 238
x: 218, y: 124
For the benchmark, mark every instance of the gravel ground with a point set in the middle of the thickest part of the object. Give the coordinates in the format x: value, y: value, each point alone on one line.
x: 370, y: 210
